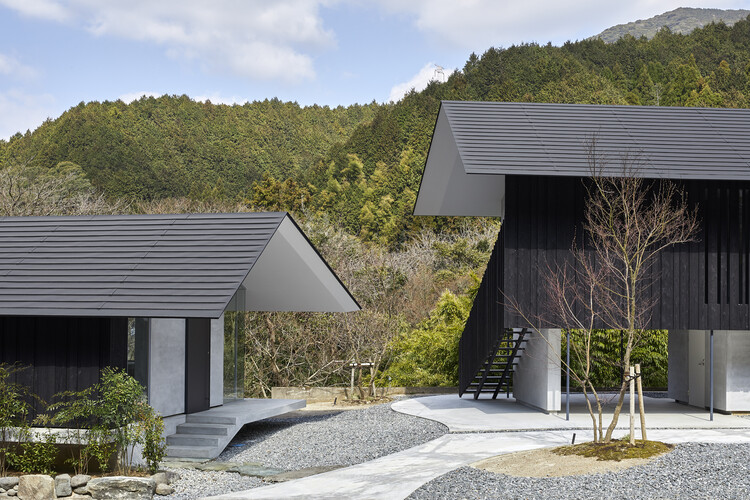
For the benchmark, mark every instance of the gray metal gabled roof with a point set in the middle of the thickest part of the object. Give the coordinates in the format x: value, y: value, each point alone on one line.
x: 187, y: 265
x: 550, y: 139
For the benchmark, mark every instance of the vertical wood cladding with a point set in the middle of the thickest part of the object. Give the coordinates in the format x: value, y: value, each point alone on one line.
x: 485, y: 321
x: 62, y: 354
x: 704, y: 284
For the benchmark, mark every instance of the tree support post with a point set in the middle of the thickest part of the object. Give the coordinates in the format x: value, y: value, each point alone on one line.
x: 567, y: 378
x: 639, y: 386
x: 632, y: 404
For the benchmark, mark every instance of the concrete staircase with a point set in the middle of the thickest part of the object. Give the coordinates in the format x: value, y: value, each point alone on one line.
x: 204, y: 435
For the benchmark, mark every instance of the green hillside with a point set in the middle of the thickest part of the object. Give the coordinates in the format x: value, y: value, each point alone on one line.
x: 369, y: 183
x: 682, y: 20
x: 173, y: 146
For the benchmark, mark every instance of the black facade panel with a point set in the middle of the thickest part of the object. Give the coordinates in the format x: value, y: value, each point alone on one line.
x: 61, y: 354
x: 485, y: 321
x: 700, y: 285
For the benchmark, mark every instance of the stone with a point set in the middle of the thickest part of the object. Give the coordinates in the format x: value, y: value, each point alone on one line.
x: 172, y: 476
x: 81, y: 490
x: 79, y: 480
x: 11, y: 493
x: 62, y: 486
x: 8, y: 482
x: 36, y: 487
x: 164, y: 489
x: 122, y: 487
x: 160, y: 478
x: 299, y: 474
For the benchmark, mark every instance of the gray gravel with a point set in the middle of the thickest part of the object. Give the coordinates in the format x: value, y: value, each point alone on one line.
x: 196, y: 484
x: 304, y: 439
x: 691, y: 471
x: 343, y: 438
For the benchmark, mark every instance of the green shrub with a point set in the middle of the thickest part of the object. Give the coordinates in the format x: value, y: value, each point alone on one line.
x: 427, y: 356
x: 111, y: 417
x: 14, y: 411
x: 650, y: 352
x: 154, y: 445
x: 37, y: 457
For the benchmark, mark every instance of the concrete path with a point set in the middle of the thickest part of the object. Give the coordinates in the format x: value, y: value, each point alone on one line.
x: 397, y: 476
x: 485, y: 415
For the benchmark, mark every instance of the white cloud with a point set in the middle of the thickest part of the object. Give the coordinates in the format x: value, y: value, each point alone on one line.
x: 134, y: 96
x: 479, y: 24
x: 21, y: 111
x: 216, y: 98
x: 45, y: 9
x: 256, y: 39
x: 10, y: 66
x: 429, y: 72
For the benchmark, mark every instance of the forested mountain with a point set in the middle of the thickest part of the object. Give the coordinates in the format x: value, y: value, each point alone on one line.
x: 361, y: 165
x: 682, y: 20
x: 173, y: 146
x: 369, y: 182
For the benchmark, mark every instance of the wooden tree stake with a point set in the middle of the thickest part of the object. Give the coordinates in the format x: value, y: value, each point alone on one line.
x: 632, y: 405
x: 639, y: 385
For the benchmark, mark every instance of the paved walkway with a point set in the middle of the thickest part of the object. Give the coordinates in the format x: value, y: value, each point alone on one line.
x: 398, y: 475
x: 483, y: 415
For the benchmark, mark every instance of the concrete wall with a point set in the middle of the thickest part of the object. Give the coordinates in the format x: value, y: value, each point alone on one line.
x: 689, y: 369
x: 536, y: 380
x: 217, y: 362
x: 167, y: 366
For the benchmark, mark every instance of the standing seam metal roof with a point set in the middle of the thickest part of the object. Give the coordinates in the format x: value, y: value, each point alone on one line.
x: 550, y: 139
x: 187, y: 265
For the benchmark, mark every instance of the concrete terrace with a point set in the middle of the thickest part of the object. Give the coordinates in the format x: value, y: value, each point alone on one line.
x: 205, y: 434
x: 467, y: 414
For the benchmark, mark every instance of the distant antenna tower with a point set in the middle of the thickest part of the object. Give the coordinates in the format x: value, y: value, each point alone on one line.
x: 439, y: 73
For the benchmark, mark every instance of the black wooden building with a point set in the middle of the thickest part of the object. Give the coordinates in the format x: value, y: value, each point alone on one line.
x: 527, y: 163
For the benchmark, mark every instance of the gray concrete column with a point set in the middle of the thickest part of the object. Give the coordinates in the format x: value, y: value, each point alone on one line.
x: 536, y: 379
x: 167, y: 366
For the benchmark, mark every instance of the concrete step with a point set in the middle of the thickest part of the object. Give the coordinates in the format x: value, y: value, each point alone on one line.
x: 182, y: 451
x: 214, y: 429
x: 196, y: 418
x: 193, y: 440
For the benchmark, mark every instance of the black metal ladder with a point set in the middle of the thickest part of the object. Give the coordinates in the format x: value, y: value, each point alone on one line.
x: 496, y: 373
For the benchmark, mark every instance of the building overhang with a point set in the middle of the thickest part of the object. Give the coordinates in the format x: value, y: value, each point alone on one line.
x: 290, y: 275
x: 447, y: 189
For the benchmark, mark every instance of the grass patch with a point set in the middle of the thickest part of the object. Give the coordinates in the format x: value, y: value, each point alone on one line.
x: 616, y: 450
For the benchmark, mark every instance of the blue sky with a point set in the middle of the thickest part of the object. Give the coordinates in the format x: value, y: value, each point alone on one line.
x: 57, y: 53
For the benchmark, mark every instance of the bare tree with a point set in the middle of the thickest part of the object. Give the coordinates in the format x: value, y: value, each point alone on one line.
x: 628, y: 222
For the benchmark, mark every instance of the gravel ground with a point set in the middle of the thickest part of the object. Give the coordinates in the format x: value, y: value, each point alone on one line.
x: 342, y: 438
x: 691, y: 471
x: 303, y: 440
x: 196, y: 484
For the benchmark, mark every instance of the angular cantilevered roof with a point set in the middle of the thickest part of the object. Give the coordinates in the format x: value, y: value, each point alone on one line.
x: 173, y: 266
x: 475, y: 144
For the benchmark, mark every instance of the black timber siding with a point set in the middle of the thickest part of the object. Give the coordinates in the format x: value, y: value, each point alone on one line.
x: 702, y: 285
x: 62, y: 354
x: 485, y: 321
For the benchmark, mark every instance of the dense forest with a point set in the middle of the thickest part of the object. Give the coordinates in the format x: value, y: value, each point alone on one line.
x: 351, y: 174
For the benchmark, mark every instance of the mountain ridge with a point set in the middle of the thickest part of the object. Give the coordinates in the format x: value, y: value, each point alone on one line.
x: 682, y: 20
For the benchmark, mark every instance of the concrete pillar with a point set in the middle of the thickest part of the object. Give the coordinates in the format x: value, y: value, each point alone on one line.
x: 167, y: 366
x: 217, y: 362
x: 536, y: 380
x: 677, y: 365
